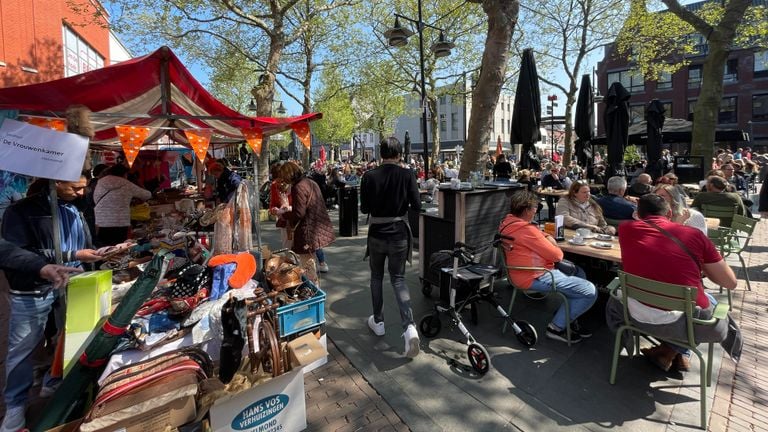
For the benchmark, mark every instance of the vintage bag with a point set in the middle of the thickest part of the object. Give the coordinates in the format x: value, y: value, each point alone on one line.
x: 283, y: 270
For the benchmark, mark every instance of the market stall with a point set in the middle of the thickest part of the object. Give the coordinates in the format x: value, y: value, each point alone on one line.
x: 188, y: 322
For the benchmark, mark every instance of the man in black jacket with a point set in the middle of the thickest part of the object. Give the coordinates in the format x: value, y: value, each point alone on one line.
x: 28, y: 224
x: 387, y: 193
x: 14, y: 258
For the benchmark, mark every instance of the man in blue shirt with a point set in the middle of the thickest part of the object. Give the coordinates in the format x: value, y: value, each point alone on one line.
x: 615, y: 205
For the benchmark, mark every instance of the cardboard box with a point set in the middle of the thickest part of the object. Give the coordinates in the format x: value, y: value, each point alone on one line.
x: 276, y: 405
x: 322, y: 360
x: 89, y: 298
x: 172, y: 414
x: 305, y: 350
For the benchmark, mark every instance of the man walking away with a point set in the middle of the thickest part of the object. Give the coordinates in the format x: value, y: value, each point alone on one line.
x: 387, y: 193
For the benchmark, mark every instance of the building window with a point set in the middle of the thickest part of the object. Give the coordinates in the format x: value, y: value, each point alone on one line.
x: 727, y: 112
x: 632, y: 80
x: 761, y: 64
x: 691, y: 109
x: 700, y: 44
x: 760, y: 107
x: 636, y: 114
x: 502, y: 125
x: 443, y: 100
x: 442, y: 123
x: 455, y: 122
x: 667, y: 109
x: 79, y: 57
x: 664, y: 82
x: 731, y: 74
x: 509, y: 126
x: 694, y: 76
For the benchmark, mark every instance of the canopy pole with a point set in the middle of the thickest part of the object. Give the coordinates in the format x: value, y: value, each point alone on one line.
x: 54, y: 200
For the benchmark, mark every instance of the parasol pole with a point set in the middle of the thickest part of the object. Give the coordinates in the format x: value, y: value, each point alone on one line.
x: 54, y: 199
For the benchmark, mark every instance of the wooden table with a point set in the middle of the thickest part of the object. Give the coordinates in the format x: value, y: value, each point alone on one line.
x: 558, y: 193
x: 613, y: 254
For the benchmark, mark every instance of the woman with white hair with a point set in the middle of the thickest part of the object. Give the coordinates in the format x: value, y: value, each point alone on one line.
x: 680, y: 211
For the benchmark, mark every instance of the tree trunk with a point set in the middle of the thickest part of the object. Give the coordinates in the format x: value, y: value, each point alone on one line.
x: 434, y: 124
x: 708, y: 105
x: 264, y: 94
x: 568, y: 139
x: 502, y: 19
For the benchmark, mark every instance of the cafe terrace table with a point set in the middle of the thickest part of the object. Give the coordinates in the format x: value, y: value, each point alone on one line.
x: 558, y: 193
x: 613, y: 254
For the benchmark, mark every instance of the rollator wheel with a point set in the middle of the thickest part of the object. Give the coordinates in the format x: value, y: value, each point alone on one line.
x: 426, y: 288
x: 527, y: 335
x: 430, y: 325
x: 478, y: 358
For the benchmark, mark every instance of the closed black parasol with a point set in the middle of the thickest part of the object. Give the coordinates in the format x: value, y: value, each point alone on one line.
x: 583, y: 124
x: 407, y: 147
x: 526, y: 114
x: 616, y: 119
x: 654, y: 117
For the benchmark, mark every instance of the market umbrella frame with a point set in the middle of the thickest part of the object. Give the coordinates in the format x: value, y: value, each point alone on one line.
x: 526, y: 114
x: 583, y: 124
x: 407, y: 147
x: 654, y: 117
x: 616, y: 120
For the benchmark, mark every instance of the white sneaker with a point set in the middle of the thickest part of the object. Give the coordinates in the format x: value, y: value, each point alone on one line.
x: 322, y: 268
x: 411, y: 341
x: 376, y: 328
x: 14, y: 419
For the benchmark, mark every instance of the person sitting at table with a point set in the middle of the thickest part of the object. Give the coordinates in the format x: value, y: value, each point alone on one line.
x: 524, y: 178
x: 552, y: 180
x: 599, y: 175
x: 562, y: 174
x: 502, y: 169
x: 581, y: 211
x: 717, y: 194
x: 527, y: 246
x: 647, y: 252
x: 642, y: 185
x: 680, y: 211
x: 615, y: 205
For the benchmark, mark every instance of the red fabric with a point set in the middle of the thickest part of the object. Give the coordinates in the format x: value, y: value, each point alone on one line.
x: 650, y: 254
x: 111, y: 329
x: 133, y: 87
x: 92, y: 364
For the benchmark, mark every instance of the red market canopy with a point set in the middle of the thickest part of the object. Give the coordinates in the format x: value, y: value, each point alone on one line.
x: 154, y: 91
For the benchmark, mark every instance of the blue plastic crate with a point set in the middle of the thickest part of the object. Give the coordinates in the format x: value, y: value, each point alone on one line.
x: 302, y: 315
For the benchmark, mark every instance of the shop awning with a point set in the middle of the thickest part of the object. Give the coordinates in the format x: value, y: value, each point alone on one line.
x: 155, y: 90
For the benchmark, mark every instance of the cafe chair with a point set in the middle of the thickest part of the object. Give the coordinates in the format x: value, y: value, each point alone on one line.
x: 742, y: 228
x: 669, y: 297
x: 614, y: 222
x: 535, y: 295
x: 720, y: 237
x: 724, y: 213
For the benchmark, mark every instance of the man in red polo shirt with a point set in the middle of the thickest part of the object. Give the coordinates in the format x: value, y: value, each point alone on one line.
x: 647, y: 252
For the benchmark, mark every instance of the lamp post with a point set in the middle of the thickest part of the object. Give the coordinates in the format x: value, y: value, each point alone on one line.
x: 551, y: 112
x: 398, y: 37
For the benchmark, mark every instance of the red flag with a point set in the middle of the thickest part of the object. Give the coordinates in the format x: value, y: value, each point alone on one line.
x: 499, y: 150
x: 302, y: 131
x: 49, y: 123
x: 322, y: 153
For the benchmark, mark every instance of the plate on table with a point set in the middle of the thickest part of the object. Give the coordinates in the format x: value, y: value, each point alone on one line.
x: 582, y: 243
x: 604, y: 237
x: 601, y: 245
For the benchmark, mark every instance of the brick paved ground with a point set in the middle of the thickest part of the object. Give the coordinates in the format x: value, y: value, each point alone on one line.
x: 741, y: 395
x: 340, y: 399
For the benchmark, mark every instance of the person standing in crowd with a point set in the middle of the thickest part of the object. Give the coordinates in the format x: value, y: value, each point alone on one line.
x: 648, y: 252
x: 387, y: 193
x: 28, y: 224
x: 112, y: 205
x: 308, y: 217
x: 17, y: 259
x: 226, y: 181
x: 502, y: 169
x: 533, y: 248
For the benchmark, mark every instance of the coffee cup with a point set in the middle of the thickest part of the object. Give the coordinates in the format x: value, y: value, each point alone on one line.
x: 583, y: 232
x: 578, y: 239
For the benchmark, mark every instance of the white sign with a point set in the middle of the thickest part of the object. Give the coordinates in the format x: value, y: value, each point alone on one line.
x: 41, y: 152
x: 274, y: 406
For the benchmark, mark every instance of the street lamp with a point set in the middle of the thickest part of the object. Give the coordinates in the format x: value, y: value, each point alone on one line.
x: 551, y: 112
x: 398, y: 36
x: 280, y: 109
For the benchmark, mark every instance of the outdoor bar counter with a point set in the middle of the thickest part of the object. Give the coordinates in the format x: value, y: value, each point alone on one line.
x: 468, y: 216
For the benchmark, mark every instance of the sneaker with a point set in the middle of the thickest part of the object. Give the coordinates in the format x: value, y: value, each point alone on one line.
x: 376, y: 328
x: 14, y: 419
x: 322, y: 267
x: 561, y: 335
x: 411, y: 341
x: 579, y: 330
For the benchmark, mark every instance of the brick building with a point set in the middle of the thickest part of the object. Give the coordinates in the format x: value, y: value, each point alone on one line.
x: 745, y: 90
x: 42, y: 40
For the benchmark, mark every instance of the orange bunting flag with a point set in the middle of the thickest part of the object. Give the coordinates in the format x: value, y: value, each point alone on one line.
x: 302, y: 131
x: 48, y: 123
x: 199, y: 140
x: 132, y: 138
x: 253, y: 136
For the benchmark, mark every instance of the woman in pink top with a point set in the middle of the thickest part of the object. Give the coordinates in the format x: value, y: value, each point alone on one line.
x: 525, y: 245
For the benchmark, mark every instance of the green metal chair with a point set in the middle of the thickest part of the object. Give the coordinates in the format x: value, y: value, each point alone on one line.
x: 721, y: 238
x: 535, y: 295
x: 724, y: 213
x: 742, y: 228
x: 672, y: 298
